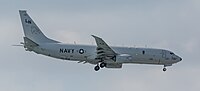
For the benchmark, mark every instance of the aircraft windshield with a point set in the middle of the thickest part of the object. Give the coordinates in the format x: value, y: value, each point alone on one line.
x: 171, y: 53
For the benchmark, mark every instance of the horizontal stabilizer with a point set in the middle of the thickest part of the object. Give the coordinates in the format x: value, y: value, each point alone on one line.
x: 29, y: 43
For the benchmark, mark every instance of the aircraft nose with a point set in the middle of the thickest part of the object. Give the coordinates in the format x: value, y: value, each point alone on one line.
x: 180, y: 59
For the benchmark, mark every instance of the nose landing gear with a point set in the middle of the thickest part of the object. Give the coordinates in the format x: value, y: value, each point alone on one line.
x: 164, y: 69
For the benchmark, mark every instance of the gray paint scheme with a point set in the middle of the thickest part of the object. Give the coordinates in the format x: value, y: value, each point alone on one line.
x: 114, y: 57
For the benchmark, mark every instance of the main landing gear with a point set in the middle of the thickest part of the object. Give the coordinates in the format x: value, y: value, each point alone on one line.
x: 97, y: 67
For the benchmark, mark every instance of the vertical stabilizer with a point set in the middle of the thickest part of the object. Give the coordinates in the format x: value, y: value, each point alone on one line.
x: 31, y: 30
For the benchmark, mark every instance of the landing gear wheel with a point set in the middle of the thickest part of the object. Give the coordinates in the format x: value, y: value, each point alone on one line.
x: 164, y: 69
x: 102, y: 65
x: 96, y: 68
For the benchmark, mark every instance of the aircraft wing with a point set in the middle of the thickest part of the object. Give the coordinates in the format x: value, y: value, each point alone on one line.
x: 103, y: 50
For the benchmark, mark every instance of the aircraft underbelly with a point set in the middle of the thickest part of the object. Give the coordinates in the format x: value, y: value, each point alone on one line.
x: 144, y: 61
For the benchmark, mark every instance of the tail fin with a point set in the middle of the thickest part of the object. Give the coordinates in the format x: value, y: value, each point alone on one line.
x: 32, y: 31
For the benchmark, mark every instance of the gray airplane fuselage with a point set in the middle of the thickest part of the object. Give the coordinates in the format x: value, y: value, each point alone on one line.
x: 102, y: 55
x: 87, y: 53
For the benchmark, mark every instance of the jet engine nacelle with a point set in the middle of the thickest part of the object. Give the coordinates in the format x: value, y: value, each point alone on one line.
x: 123, y: 58
x: 113, y: 65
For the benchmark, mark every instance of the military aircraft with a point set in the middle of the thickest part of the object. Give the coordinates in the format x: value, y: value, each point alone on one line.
x: 102, y: 55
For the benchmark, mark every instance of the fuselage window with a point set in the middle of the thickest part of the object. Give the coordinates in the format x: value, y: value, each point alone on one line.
x: 143, y: 52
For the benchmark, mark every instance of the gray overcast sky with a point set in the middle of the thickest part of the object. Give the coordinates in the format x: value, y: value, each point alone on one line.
x: 167, y: 24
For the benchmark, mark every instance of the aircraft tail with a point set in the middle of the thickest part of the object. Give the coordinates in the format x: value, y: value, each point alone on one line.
x: 32, y: 31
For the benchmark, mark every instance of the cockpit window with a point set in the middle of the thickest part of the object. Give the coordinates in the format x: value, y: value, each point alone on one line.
x: 171, y: 53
